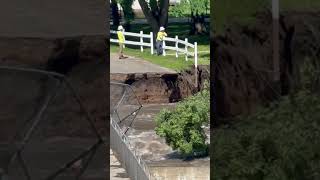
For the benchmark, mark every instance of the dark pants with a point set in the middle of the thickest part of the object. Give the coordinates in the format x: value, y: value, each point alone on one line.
x: 159, y: 45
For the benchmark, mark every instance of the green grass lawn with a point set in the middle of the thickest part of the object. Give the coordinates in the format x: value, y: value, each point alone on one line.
x: 169, y: 61
x: 226, y: 12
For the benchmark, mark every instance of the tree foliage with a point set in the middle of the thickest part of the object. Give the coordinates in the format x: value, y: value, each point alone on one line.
x: 188, y: 7
x: 183, y: 127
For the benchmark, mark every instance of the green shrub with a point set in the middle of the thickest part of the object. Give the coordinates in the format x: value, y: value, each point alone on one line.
x: 182, y: 127
x: 281, y: 142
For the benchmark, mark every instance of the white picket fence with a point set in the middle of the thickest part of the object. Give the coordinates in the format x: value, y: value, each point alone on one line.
x: 185, y: 50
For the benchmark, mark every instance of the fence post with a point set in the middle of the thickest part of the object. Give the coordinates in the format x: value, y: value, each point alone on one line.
x: 141, y: 40
x: 177, y: 46
x: 151, y: 42
x: 196, y: 54
x: 124, y: 44
x: 196, y: 62
x: 186, y: 48
x: 164, y: 46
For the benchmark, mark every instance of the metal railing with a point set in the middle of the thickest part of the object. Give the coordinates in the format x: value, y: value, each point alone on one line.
x: 123, y: 95
x: 129, y: 158
x: 185, y: 50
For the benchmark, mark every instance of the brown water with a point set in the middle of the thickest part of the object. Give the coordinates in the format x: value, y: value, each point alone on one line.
x: 162, y: 160
x: 181, y: 173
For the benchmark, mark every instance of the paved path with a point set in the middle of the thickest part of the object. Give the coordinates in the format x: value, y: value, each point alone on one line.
x: 135, y: 65
x: 116, y: 171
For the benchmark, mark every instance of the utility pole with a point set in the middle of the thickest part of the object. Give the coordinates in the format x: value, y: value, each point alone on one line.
x: 275, y: 41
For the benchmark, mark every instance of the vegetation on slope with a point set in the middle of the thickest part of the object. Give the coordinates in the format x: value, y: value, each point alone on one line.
x: 279, y: 142
x: 183, y: 127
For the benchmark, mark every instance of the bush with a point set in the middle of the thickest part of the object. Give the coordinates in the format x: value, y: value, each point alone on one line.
x: 281, y: 142
x: 182, y: 128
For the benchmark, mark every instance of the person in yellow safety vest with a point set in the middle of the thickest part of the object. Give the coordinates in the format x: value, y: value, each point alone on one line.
x: 159, y: 43
x: 121, y: 39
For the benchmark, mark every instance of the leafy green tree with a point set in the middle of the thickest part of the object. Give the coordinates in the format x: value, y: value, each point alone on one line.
x: 199, y: 6
x: 189, y: 7
x: 182, y: 128
x: 197, y: 10
x: 180, y: 10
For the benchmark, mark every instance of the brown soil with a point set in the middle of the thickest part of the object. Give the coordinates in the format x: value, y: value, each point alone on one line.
x: 243, y: 60
x: 164, y: 88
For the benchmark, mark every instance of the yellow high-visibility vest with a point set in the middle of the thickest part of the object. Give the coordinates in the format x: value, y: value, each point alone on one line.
x: 120, y: 36
x: 161, y: 35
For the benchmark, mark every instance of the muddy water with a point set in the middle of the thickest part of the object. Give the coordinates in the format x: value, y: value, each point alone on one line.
x: 181, y: 173
x: 117, y: 172
x: 163, y: 161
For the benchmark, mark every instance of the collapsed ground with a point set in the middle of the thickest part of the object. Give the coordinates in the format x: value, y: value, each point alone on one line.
x: 264, y: 132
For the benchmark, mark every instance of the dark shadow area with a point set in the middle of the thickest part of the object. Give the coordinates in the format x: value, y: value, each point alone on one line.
x: 46, y: 143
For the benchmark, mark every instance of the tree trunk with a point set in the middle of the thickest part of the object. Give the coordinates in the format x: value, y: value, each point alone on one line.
x: 197, y: 24
x: 128, y: 13
x: 286, y: 68
x: 157, y: 17
x: 164, y: 8
x: 115, y: 13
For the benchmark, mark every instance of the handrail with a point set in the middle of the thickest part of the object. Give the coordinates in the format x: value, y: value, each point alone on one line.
x: 120, y: 142
x: 125, y: 140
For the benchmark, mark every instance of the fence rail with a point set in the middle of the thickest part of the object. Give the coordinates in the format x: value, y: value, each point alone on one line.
x: 186, y: 50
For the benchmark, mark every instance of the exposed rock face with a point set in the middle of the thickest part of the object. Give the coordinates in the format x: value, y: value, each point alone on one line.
x: 164, y: 88
x: 243, y: 66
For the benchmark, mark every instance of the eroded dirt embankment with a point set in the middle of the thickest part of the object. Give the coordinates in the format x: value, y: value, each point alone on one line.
x: 164, y: 88
x: 81, y: 59
x: 243, y: 60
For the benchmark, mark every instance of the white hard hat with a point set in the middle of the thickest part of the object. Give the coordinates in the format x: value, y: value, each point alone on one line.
x: 120, y: 28
x: 161, y: 28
